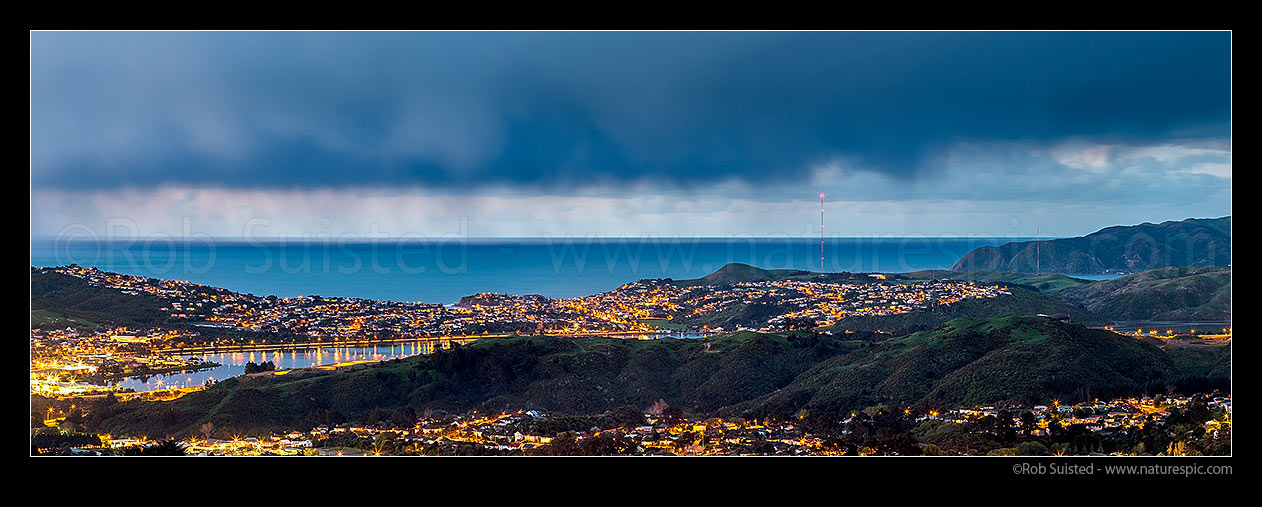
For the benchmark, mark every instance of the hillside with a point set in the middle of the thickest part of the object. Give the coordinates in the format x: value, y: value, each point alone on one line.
x: 1121, y: 249
x: 575, y: 376
x: 59, y: 300
x: 736, y: 272
x: 964, y: 361
x: 977, y: 361
x: 1166, y: 294
x: 1213, y: 363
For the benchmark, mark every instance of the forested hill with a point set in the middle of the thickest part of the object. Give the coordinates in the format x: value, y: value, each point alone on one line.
x: 1121, y: 249
x: 963, y: 361
x: 978, y: 361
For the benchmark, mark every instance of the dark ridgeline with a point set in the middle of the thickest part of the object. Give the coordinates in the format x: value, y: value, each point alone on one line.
x: 965, y: 361
x: 1121, y: 249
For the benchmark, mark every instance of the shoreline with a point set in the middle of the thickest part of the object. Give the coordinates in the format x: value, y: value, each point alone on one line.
x: 205, y: 365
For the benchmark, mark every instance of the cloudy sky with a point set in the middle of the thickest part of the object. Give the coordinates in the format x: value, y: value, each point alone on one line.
x: 626, y: 134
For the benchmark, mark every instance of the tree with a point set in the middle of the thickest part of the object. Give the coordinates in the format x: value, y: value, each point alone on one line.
x: 672, y: 416
x: 404, y: 417
x: 1032, y: 449
x: 75, y: 416
x: 625, y: 415
x: 565, y: 444
x: 1027, y: 422
x: 606, y: 445
x: 1198, y: 409
x: 1004, y: 426
x: 163, y: 448
x: 168, y: 448
x: 250, y: 367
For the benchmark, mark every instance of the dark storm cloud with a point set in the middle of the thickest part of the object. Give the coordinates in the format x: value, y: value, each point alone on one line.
x: 550, y: 110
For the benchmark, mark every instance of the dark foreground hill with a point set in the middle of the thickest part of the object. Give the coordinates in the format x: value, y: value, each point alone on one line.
x: 1173, y: 294
x: 1121, y: 249
x: 575, y: 376
x: 965, y: 361
x: 979, y: 361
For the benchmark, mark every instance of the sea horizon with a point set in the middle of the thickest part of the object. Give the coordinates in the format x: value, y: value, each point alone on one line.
x: 444, y: 270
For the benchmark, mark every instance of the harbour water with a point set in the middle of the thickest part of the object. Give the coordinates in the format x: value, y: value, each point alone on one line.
x: 233, y: 363
x: 1097, y: 277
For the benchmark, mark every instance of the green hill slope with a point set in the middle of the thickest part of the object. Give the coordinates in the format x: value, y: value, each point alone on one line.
x: 971, y: 361
x: 57, y: 298
x: 1211, y: 362
x: 1166, y: 294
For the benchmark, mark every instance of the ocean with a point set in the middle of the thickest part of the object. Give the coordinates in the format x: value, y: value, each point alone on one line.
x: 442, y: 271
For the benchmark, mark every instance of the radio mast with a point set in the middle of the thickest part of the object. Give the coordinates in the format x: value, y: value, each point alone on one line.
x: 822, y: 195
x: 1038, y: 251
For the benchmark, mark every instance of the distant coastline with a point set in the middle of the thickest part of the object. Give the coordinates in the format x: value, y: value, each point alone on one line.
x: 442, y: 272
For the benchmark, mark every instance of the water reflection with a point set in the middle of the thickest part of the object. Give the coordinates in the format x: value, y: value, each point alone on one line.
x: 233, y: 364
